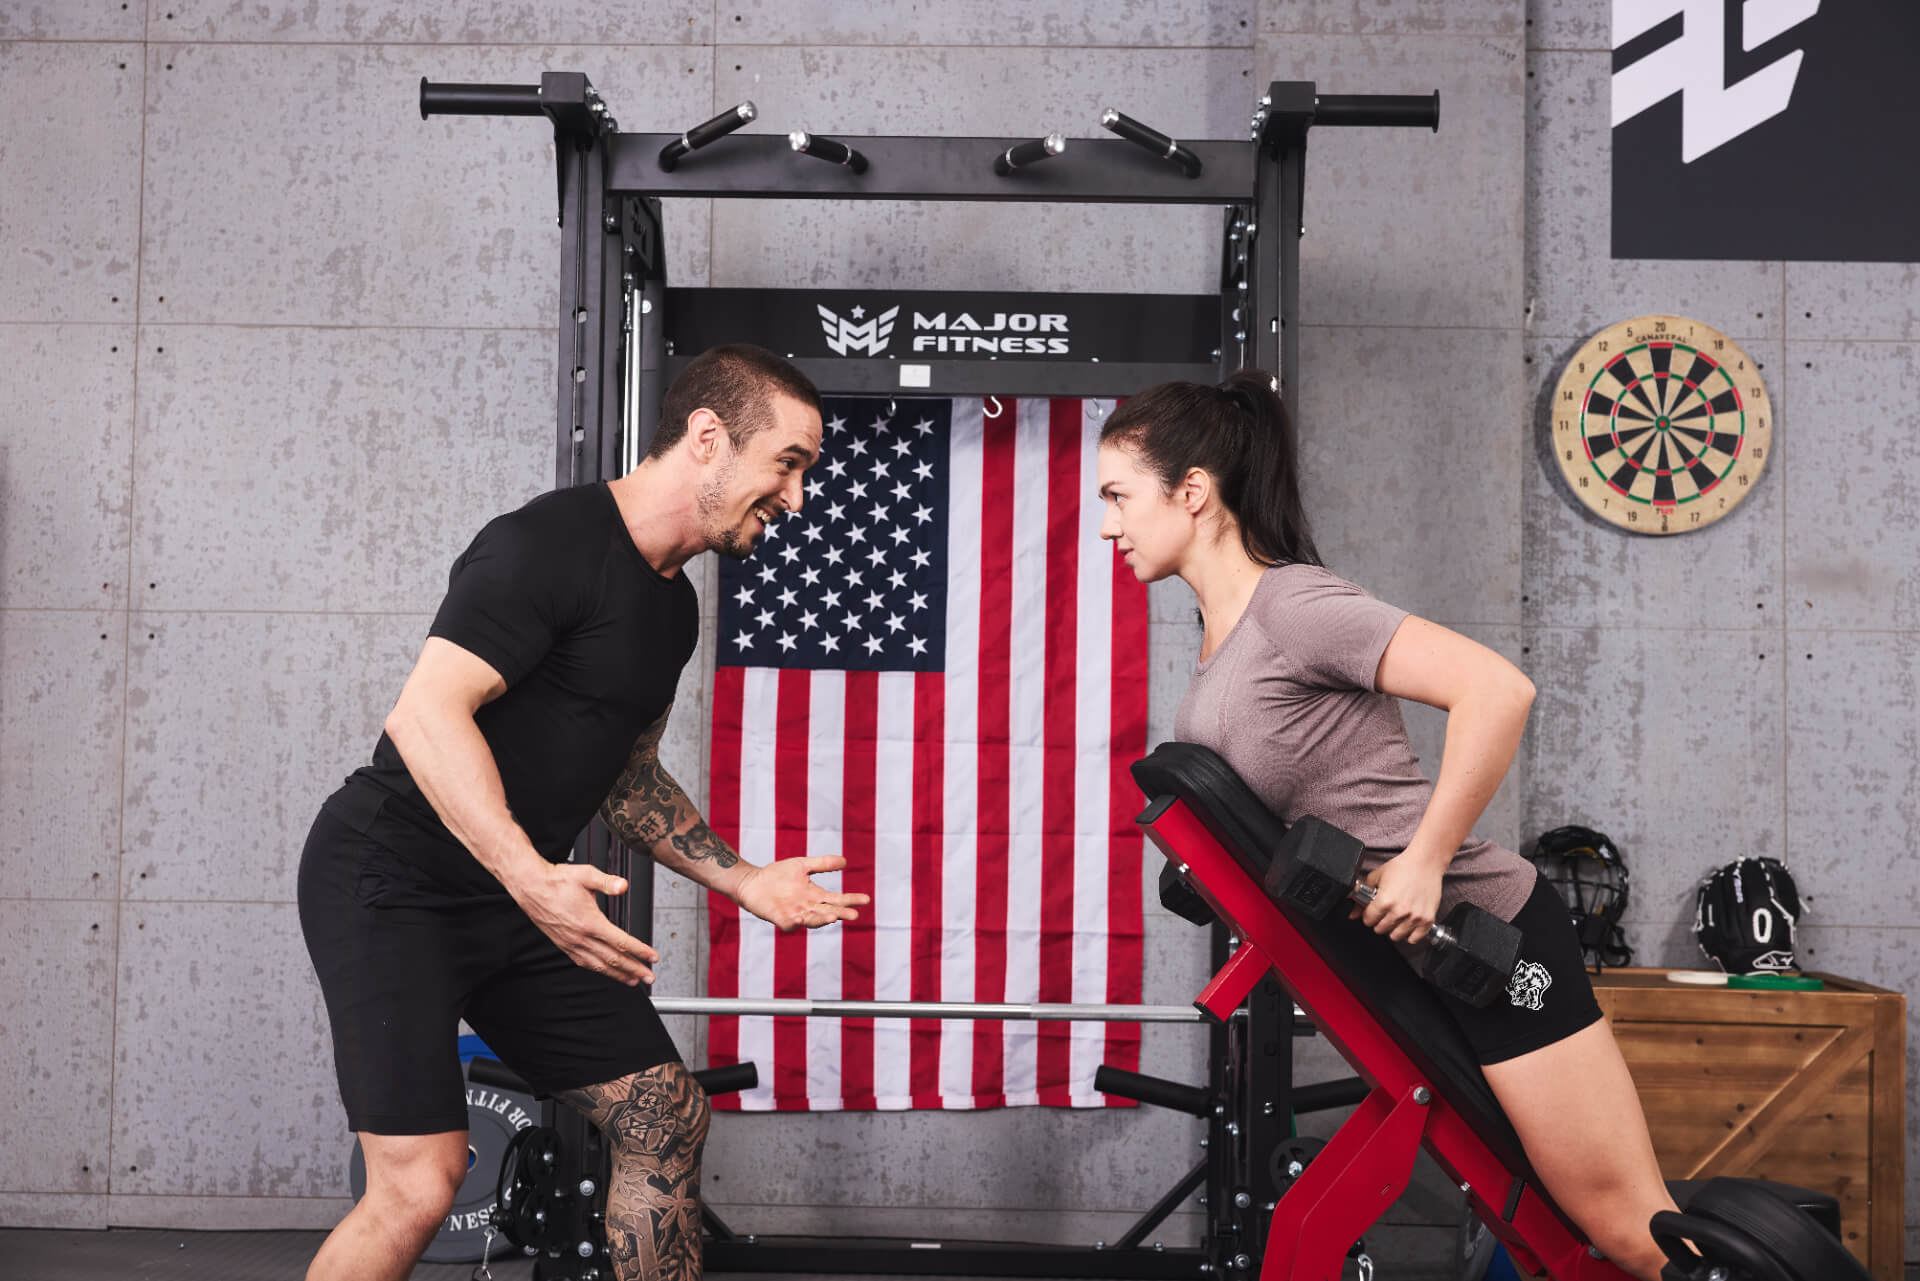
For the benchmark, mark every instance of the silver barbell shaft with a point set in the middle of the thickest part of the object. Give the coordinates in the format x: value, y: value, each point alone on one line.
x: 926, y: 1010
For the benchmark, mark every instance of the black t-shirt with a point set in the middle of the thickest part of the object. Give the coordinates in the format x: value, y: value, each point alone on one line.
x: 590, y: 640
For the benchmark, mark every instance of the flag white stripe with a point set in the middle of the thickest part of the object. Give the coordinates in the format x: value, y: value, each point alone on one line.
x: 959, y: 882
x: 758, y: 712
x: 826, y: 777
x: 1091, y: 786
x: 1026, y: 726
x: 893, y: 883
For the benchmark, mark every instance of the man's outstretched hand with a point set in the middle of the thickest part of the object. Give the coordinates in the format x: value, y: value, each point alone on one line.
x: 784, y: 894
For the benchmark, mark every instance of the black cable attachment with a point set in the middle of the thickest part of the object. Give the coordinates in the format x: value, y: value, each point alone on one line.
x: 1152, y: 139
x: 1022, y: 154
x: 710, y: 131
x: 827, y: 149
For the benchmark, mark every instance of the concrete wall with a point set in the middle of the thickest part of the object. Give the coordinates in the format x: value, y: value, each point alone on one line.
x: 276, y: 347
x: 1750, y: 688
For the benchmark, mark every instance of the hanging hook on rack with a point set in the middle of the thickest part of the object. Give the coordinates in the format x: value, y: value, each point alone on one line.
x: 997, y: 409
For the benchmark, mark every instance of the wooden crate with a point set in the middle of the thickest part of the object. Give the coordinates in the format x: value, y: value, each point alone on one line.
x: 1805, y: 1087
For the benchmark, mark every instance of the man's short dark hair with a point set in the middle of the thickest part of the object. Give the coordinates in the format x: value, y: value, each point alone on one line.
x: 738, y: 382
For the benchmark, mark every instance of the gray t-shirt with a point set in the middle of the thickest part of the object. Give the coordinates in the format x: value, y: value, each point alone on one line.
x: 1289, y: 700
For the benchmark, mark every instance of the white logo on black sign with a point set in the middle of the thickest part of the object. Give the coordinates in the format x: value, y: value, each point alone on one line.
x: 858, y: 334
x: 1693, y: 65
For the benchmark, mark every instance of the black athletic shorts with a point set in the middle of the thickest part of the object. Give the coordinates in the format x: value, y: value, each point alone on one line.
x: 1550, y: 997
x: 402, y: 959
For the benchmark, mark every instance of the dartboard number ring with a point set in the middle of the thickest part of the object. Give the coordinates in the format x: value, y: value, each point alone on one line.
x: 1661, y: 425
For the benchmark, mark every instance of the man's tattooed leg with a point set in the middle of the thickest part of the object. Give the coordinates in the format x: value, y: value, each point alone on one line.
x: 656, y: 1124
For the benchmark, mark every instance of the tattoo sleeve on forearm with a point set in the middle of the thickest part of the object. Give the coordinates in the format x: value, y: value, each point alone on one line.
x: 699, y: 842
x: 646, y: 808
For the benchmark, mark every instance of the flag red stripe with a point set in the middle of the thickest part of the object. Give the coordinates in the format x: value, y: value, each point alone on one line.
x: 790, y: 841
x: 723, y: 917
x: 1059, y: 706
x: 857, y: 844
x: 994, y: 763
x: 1127, y: 738
x: 929, y: 848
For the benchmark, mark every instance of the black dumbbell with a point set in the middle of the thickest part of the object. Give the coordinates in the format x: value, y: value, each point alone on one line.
x: 1473, y: 952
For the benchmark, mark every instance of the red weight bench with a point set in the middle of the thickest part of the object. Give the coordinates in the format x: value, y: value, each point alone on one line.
x: 1390, y: 1025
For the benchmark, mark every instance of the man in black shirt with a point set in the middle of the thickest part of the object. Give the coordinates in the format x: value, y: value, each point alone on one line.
x: 434, y: 885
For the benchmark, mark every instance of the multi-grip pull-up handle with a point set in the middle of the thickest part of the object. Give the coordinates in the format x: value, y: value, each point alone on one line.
x: 1376, y: 110
x: 478, y: 100
x: 705, y: 132
x: 1153, y: 140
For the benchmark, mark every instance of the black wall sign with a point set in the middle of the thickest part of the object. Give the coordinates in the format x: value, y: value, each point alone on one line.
x: 1819, y: 160
x: 921, y: 325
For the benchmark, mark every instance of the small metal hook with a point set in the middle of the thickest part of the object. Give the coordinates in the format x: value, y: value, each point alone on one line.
x: 892, y: 408
x: 997, y: 407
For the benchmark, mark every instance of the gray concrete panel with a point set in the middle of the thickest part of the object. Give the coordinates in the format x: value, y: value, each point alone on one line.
x: 1581, y: 571
x: 1426, y: 526
x: 62, y: 690
x: 1569, y: 25
x: 71, y: 20
x: 298, y: 469
x: 56, y: 1045
x: 1853, y: 760
x: 1852, y: 485
x: 1672, y: 742
x: 991, y: 24
x: 223, y: 1068
x: 464, y: 22
x: 239, y: 725
x: 1393, y: 17
x: 70, y: 176
x: 66, y: 458
x: 1838, y: 300
x: 1445, y: 209
x: 72, y: 1210
x: 362, y: 213
x: 1004, y: 92
x: 1573, y: 285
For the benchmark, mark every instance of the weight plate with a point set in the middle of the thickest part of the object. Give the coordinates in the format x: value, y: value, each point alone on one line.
x: 493, y: 1118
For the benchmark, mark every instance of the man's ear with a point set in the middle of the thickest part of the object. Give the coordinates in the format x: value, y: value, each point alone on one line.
x: 706, y: 434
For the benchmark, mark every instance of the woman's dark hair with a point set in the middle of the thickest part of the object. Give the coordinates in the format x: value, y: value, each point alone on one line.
x: 737, y: 382
x: 1241, y: 435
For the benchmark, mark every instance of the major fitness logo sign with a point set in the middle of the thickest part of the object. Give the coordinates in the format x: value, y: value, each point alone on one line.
x: 948, y: 333
x: 856, y: 334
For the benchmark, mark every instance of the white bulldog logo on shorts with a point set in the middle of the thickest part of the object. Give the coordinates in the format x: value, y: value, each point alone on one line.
x: 1528, y: 985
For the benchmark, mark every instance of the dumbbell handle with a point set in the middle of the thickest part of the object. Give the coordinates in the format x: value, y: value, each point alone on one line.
x: 1439, y: 935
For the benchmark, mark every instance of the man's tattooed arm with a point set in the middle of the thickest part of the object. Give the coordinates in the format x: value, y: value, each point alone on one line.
x: 649, y: 811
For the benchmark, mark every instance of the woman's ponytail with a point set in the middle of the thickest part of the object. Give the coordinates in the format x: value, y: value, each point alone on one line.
x: 1241, y: 434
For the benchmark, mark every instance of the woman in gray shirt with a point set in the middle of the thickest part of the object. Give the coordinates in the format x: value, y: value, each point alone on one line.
x: 1298, y: 687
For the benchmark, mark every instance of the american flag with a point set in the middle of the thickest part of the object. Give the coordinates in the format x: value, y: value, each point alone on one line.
x: 936, y: 670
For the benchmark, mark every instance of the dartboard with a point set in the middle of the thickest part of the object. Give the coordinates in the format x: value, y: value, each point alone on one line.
x: 1661, y: 425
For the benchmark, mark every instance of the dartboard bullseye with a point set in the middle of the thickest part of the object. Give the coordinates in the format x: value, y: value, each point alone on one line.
x: 1661, y: 425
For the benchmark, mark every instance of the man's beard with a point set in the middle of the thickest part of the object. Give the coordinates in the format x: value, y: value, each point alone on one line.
x: 725, y: 539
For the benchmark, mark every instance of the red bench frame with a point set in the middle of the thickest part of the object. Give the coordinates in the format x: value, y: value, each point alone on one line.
x: 1366, y: 1165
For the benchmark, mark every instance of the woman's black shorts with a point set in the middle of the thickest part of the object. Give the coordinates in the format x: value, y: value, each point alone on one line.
x: 402, y: 959
x: 1550, y: 997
